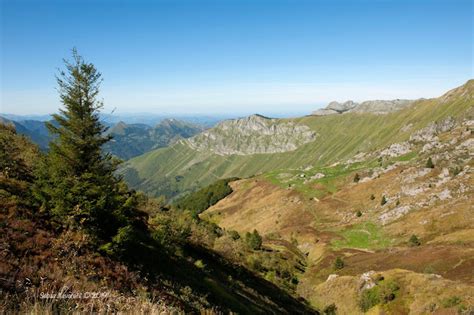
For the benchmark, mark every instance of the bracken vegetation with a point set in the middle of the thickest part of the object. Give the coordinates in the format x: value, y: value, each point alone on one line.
x: 73, y: 228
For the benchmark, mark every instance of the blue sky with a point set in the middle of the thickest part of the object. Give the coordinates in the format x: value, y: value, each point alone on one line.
x: 270, y: 57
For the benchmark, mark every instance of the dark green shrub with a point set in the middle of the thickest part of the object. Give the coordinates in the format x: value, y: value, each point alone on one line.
x: 387, y: 291
x: 254, y: 263
x: 253, y: 240
x: 414, y: 241
x: 451, y: 301
x: 383, y: 201
x: 330, y: 309
x: 359, y: 214
x: 234, y: 235
x: 369, y: 298
x: 339, y: 263
x: 202, y: 199
x: 170, y: 229
x: 126, y: 244
x: 429, y: 163
x: 383, y: 292
x: 356, y: 178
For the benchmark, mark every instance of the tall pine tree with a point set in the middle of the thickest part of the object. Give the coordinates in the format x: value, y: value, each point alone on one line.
x: 77, y: 182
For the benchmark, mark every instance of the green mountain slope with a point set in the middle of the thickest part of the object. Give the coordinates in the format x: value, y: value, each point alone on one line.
x: 131, y: 140
x: 34, y: 129
x: 179, y: 168
x: 180, y: 275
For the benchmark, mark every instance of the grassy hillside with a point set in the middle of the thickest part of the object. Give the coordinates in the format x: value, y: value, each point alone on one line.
x: 175, y: 271
x: 399, y: 227
x: 178, y: 169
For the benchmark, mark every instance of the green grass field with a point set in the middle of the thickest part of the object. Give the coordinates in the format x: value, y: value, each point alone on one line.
x: 367, y: 235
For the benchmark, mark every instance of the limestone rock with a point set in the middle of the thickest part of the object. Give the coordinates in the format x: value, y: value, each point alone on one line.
x: 396, y: 149
x: 366, y: 281
x: 375, y: 107
x: 252, y: 135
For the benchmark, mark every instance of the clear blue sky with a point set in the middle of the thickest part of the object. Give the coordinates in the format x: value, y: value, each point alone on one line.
x: 236, y: 56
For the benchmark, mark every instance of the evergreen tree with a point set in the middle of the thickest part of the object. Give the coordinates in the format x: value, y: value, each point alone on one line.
x: 429, y: 163
x: 77, y: 182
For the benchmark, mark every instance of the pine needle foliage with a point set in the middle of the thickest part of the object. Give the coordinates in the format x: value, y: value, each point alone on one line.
x: 76, y: 180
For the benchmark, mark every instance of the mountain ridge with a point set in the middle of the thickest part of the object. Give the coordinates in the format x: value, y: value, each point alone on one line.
x: 253, y: 134
x: 179, y: 168
x: 379, y: 107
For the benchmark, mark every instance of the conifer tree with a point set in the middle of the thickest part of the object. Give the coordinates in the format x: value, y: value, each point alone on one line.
x: 429, y: 163
x: 77, y: 182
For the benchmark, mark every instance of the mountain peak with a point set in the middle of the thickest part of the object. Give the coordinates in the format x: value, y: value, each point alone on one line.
x: 253, y: 134
x: 465, y: 90
x: 374, y: 107
x: 258, y: 116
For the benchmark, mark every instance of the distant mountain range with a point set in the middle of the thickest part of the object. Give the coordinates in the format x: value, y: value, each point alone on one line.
x: 131, y: 140
x: 128, y: 140
x: 34, y: 129
x: 149, y: 119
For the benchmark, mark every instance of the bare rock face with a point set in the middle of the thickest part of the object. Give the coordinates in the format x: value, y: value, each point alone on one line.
x: 341, y: 108
x: 430, y: 133
x: 396, y: 149
x: 379, y: 107
x: 393, y: 214
x: 252, y: 135
x: 366, y: 280
x: 335, y: 108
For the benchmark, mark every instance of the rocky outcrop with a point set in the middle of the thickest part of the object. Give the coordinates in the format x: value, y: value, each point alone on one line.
x: 430, y: 133
x: 375, y: 107
x: 336, y: 108
x: 251, y: 135
x: 396, y: 149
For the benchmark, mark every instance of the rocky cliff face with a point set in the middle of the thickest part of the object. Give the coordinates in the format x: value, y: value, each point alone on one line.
x: 252, y: 135
x: 375, y: 107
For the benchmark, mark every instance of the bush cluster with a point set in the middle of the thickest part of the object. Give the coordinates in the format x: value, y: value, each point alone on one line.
x: 202, y: 199
x: 382, y: 293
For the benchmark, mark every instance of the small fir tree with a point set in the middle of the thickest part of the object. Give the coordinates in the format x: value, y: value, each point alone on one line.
x: 429, y: 163
x: 76, y: 181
